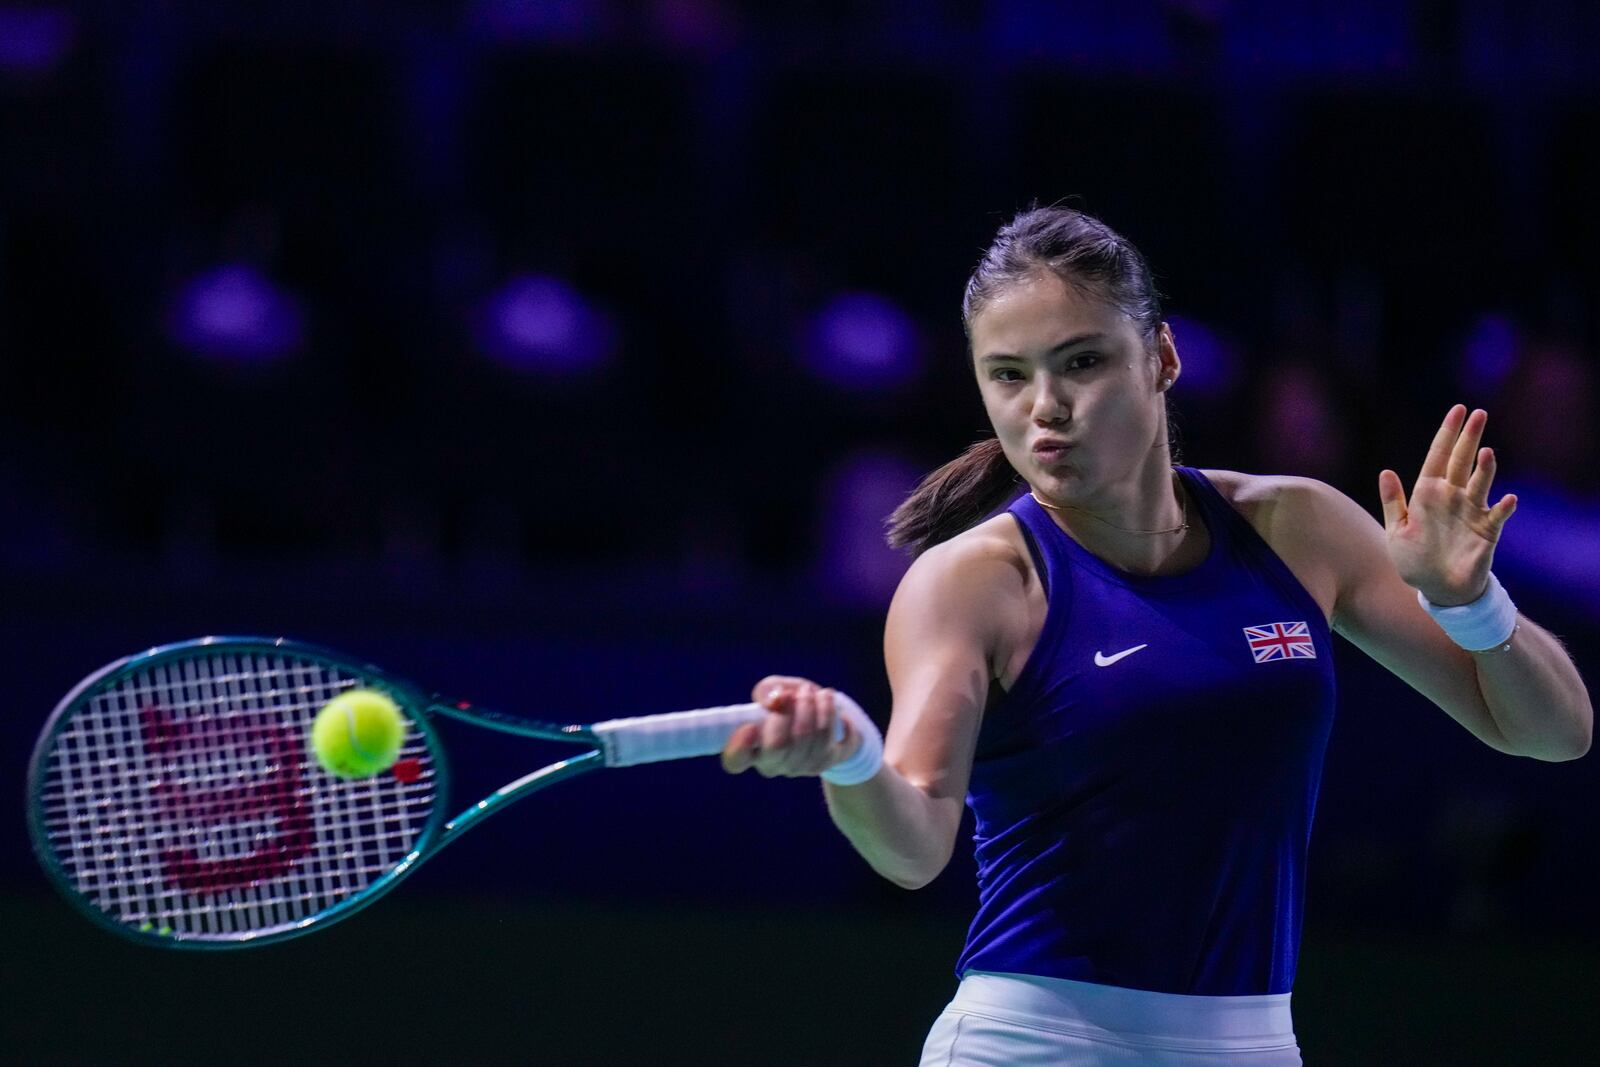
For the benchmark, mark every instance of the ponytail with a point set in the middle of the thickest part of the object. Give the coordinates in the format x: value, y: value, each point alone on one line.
x: 953, y: 498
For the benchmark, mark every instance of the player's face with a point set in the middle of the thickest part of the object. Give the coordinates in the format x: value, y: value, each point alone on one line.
x: 1058, y: 364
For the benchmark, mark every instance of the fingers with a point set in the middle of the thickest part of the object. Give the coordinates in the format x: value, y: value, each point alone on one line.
x: 1482, y: 478
x: 772, y: 686
x: 778, y: 726
x: 795, y: 739
x: 1393, y: 496
x: 1501, y: 512
x: 827, y: 716
x: 1438, y: 461
x: 1456, y: 457
x: 1465, y: 449
x: 740, y: 751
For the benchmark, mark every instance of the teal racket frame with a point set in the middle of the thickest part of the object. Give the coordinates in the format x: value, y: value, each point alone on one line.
x: 421, y: 708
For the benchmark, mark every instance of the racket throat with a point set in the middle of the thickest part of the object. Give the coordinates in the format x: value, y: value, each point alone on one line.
x: 529, y: 783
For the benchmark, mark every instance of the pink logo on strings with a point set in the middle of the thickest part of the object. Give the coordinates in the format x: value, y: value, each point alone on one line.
x: 277, y: 795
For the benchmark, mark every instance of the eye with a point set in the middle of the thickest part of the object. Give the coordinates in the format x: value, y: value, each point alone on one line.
x: 1000, y: 373
x: 1084, y: 360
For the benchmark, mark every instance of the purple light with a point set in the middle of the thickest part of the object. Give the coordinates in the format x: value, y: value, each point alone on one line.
x: 1557, y: 542
x: 1299, y: 428
x: 862, y: 340
x: 536, y: 20
x: 542, y: 324
x: 1489, y: 353
x: 1210, y: 362
x: 855, y: 564
x: 235, y: 312
x: 695, y: 25
x: 34, y: 41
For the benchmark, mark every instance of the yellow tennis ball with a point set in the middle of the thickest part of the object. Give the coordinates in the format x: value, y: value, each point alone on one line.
x: 358, y: 733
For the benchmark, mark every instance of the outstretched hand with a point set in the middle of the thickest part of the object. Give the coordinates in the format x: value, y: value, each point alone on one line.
x: 1442, y: 541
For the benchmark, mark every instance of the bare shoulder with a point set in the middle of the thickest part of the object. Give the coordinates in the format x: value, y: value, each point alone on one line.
x: 974, y: 588
x: 1257, y: 491
x: 1285, y: 502
x: 988, y: 560
x: 1320, y: 533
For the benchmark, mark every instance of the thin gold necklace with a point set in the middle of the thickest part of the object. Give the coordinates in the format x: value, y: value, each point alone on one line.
x: 1183, y: 501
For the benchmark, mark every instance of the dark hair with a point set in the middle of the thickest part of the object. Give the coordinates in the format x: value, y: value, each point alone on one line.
x: 1083, y: 252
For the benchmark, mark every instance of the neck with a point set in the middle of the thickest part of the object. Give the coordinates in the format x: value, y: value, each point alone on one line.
x: 1149, y: 527
x: 1178, y: 529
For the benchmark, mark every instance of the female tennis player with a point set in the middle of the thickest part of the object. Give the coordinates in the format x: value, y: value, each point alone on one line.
x: 1128, y: 675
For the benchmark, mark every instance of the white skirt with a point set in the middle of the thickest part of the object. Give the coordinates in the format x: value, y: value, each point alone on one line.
x: 1019, y: 1020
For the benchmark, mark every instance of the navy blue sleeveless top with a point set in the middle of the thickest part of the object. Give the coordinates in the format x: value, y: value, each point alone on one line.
x: 1144, y: 791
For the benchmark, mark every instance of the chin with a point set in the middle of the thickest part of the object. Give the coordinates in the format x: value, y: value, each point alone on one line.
x: 1059, y: 486
x: 1061, y: 473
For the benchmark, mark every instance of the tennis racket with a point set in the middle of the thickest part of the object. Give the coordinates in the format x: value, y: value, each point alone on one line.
x: 173, y: 798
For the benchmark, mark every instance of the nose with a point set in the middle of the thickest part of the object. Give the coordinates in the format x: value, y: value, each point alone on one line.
x: 1050, y: 402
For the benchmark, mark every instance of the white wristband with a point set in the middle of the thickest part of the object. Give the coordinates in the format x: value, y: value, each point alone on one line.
x: 865, y: 761
x: 1480, y: 626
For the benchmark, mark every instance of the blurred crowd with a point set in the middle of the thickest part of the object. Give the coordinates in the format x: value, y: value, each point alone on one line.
x: 675, y: 284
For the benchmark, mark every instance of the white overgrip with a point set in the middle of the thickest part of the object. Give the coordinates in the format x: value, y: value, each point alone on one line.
x: 704, y: 732
x: 676, y: 735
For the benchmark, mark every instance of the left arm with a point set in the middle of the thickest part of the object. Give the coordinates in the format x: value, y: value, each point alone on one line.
x: 1528, y: 699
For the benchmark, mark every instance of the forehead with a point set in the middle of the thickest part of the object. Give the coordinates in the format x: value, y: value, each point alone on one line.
x: 1036, y: 313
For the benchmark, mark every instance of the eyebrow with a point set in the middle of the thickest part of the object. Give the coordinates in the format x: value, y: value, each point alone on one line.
x: 1082, y: 338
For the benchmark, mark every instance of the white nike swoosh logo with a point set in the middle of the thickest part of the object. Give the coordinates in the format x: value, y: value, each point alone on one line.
x: 1106, y: 661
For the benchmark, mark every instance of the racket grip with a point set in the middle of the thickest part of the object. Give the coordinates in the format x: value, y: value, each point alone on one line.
x: 703, y: 732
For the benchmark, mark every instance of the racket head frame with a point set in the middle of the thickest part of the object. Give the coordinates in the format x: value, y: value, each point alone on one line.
x: 413, y: 702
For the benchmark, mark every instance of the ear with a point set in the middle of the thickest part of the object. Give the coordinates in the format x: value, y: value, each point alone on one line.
x: 1168, y: 365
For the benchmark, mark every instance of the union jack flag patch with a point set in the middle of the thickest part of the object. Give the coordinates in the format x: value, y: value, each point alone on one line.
x: 1280, y: 640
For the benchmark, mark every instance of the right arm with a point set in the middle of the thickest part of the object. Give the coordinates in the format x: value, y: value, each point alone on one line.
x: 944, y: 637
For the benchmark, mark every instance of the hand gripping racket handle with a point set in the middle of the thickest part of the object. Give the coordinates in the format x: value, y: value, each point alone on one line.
x: 683, y: 734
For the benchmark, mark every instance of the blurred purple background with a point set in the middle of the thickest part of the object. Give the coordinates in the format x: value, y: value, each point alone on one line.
x: 568, y: 356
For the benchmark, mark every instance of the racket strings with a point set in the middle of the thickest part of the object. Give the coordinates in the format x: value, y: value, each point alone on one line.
x: 182, y: 798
